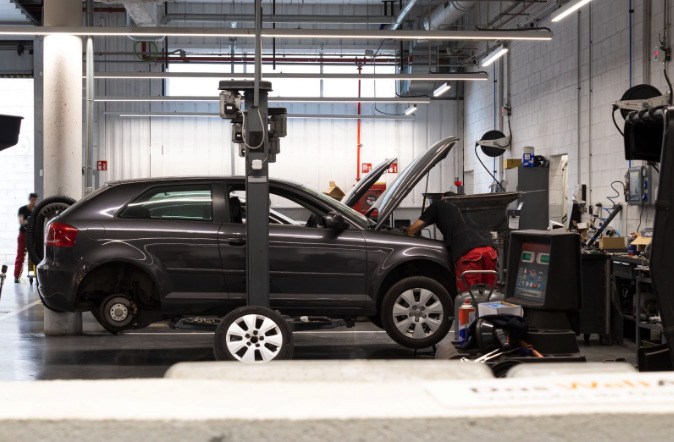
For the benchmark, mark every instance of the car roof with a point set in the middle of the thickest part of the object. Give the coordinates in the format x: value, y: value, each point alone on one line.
x: 181, y: 179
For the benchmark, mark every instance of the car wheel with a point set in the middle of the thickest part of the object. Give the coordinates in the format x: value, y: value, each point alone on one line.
x: 253, y: 334
x: 417, y: 312
x: 47, y: 209
x: 117, y: 313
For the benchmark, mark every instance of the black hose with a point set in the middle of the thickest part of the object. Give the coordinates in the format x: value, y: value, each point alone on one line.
x: 488, y: 171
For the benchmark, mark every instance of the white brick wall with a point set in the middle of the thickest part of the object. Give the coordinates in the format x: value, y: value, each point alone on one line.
x: 16, y: 163
x: 543, y: 87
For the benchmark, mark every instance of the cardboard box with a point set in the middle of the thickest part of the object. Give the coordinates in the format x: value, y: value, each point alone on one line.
x: 511, y: 163
x: 612, y: 243
x: 641, y: 242
x: 334, y: 191
x: 498, y: 308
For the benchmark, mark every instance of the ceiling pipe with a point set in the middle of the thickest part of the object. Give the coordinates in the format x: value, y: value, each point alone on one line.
x: 446, y: 14
x: 401, y: 15
x: 248, y: 18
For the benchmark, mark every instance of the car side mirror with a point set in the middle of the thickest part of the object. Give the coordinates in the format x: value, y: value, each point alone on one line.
x: 335, y: 221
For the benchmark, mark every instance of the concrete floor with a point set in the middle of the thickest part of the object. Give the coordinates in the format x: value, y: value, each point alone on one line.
x: 26, y: 354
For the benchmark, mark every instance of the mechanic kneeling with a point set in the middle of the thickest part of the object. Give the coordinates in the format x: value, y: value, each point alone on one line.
x: 469, y: 249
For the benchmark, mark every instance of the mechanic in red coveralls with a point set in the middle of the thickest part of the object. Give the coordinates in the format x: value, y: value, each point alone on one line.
x: 24, y: 213
x: 469, y: 249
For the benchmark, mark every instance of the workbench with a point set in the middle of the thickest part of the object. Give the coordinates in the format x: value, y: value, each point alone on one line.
x: 631, y: 280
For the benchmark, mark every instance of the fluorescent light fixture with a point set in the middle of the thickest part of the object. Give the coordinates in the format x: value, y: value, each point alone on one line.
x: 441, y: 90
x: 215, y: 99
x: 410, y: 110
x: 569, y: 9
x: 494, y: 55
x: 294, y: 116
x: 468, y: 76
x: 278, y: 33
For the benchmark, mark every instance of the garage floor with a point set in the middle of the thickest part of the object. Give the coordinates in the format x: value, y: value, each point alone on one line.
x: 26, y: 354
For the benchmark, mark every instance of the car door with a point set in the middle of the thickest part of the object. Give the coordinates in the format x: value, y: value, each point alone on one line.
x: 176, y: 225
x: 313, y: 270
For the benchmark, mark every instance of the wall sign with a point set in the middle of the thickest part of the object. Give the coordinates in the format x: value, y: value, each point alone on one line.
x: 365, y: 167
x: 102, y: 166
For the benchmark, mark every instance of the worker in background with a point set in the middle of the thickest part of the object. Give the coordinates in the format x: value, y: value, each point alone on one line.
x: 24, y: 212
x: 469, y: 249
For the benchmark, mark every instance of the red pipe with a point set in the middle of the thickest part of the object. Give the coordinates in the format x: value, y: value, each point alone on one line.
x: 358, y: 146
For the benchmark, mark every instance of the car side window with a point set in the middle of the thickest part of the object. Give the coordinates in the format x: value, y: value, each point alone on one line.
x: 190, y: 202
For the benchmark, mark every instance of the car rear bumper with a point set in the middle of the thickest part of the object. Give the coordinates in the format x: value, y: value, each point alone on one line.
x: 57, y: 287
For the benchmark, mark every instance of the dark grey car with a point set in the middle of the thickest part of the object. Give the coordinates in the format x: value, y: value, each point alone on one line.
x: 135, y: 252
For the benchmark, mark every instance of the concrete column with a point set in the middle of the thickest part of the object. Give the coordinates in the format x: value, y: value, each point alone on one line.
x: 62, y: 119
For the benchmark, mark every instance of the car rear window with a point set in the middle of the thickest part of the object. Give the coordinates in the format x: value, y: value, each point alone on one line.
x: 192, y: 203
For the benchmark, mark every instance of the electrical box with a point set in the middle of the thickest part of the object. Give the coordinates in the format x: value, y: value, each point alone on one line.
x: 641, y: 183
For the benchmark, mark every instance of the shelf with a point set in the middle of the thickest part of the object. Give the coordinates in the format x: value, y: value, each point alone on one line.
x: 647, y: 325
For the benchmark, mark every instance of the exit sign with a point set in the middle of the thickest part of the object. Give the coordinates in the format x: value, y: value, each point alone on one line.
x: 101, y: 166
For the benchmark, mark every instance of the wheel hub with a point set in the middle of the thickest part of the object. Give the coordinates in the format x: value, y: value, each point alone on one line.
x: 254, y: 338
x: 119, y: 312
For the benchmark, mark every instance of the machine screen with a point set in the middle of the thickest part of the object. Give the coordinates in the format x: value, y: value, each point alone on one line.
x: 532, y: 274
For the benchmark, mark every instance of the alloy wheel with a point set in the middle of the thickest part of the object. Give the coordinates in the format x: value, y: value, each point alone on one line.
x: 254, y: 338
x: 417, y: 313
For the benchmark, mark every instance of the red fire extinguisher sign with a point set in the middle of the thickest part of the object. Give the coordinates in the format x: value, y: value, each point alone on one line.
x: 102, y: 165
x: 366, y: 167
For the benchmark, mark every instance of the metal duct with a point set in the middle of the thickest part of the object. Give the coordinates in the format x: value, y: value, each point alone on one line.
x: 279, y: 18
x: 446, y: 14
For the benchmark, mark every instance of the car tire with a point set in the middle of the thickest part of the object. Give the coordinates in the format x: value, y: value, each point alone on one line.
x: 376, y: 320
x: 47, y: 209
x: 117, y: 313
x: 253, y: 334
x: 417, y: 312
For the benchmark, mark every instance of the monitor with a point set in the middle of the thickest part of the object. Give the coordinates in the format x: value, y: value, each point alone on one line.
x: 544, y: 270
x: 532, y: 272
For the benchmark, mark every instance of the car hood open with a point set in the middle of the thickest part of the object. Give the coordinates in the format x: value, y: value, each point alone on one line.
x: 410, y: 177
x: 357, y: 192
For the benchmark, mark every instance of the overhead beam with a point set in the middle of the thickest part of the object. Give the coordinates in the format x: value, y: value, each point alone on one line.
x: 468, y: 76
x: 328, y: 34
x: 216, y: 99
x: 293, y: 116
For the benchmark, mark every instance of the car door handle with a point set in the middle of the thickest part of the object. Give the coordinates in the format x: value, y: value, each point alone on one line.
x: 236, y: 241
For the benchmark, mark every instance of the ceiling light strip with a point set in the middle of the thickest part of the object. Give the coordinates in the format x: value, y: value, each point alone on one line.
x: 569, y: 9
x: 538, y: 35
x: 494, y: 55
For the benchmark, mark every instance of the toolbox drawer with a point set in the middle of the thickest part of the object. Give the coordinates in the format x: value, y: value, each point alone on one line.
x: 623, y: 270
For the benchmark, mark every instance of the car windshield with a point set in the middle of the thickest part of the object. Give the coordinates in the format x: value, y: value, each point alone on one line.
x: 334, y: 204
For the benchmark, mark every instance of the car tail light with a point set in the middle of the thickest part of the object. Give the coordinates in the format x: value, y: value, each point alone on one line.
x: 61, y: 235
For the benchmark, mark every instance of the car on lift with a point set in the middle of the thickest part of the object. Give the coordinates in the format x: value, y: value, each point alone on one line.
x: 136, y: 252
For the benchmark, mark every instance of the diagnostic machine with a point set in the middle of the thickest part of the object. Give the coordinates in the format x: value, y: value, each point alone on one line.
x: 544, y: 278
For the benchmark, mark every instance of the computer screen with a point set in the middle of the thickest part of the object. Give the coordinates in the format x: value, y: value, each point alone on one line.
x: 532, y: 274
x: 543, y: 270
